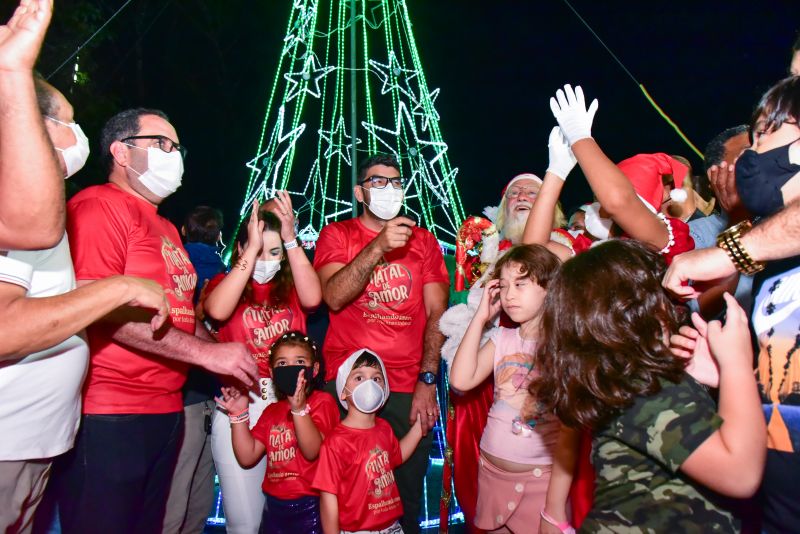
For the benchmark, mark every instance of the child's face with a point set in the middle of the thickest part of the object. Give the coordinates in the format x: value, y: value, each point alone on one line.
x: 294, y: 355
x: 520, y: 296
x: 358, y: 376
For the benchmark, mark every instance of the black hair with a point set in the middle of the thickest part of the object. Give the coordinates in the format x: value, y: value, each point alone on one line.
x: 715, y: 149
x: 780, y: 104
x: 377, y: 159
x: 122, y: 125
x: 368, y: 359
x: 45, y: 98
x: 295, y: 338
x: 203, y: 225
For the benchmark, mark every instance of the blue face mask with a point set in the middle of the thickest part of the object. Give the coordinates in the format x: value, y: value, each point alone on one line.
x: 760, y: 177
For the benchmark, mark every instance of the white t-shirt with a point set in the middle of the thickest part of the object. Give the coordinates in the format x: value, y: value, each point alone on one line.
x: 40, y: 394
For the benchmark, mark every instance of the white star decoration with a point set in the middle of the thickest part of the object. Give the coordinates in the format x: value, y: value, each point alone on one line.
x: 307, y: 79
x: 334, y: 139
x: 302, y: 27
x: 390, y: 74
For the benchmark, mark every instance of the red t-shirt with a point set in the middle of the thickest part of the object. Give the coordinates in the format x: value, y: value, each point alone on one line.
x: 113, y: 232
x: 389, y: 316
x: 357, y: 465
x: 257, y: 324
x: 289, y: 474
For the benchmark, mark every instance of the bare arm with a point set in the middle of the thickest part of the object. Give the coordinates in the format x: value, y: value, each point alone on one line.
x: 473, y: 363
x: 32, y: 211
x: 617, y: 196
x: 309, y: 438
x: 306, y: 281
x: 246, y: 448
x: 731, y: 461
x: 540, y: 221
x: 232, y: 359
x: 409, y: 442
x: 343, y: 283
x: 220, y: 303
x: 564, y: 459
x: 329, y: 512
x: 35, y: 324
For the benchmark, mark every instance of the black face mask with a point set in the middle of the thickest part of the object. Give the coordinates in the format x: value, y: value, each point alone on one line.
x: 760, y: 177
x: 285, y: 377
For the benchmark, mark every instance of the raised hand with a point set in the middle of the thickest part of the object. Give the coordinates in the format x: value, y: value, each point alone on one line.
x: 394, y: 234
x: 562, y: 160
x: 255, y: 230
x: 297, y: 401
x: 282, y: 208
x: 489, y: 306
x: 232, y: 400
x: 569, y: 109
x: 692, y: 343
x: 730, y: 344
x: 722, y: 178
x: 21, y: 37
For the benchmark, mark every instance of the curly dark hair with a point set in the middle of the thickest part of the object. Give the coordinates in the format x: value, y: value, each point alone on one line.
x: 283, y: 283
x: 604, y: 333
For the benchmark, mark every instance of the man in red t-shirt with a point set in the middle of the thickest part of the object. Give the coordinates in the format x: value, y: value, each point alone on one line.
x: 386, y: 285
x: 119, y: 472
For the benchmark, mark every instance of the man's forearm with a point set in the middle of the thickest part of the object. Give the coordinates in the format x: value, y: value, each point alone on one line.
x: 35, y: 324
x: 432, y: 345
x: 349, y: 281
x: 777, y: 237
x: 170, y: 342
x: 32, y: 210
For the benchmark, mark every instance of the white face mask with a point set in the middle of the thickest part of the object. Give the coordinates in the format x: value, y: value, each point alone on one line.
x: 385, y: 203
x: 368, y: 396
x: 599, y: 227
x: 265, y: 270
x: 75, y: 156
x: 164, y: 171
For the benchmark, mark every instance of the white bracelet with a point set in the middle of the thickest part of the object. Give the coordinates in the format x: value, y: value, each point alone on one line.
x: 289, y: 245
x: 303, y: 412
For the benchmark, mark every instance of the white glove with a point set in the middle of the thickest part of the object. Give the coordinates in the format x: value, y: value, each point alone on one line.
x: 562, y: 160
x: 569, y: 109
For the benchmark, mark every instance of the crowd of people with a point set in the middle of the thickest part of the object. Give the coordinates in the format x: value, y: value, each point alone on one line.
x: 601, y: 367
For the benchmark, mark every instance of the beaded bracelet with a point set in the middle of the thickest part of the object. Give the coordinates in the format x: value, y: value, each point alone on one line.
x: 564, y: 527
x: 241, y: 417
x: 730, y: 242
x: 303, y: 412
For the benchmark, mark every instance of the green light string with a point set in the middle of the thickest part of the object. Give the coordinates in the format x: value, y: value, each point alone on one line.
x: 670, y: 122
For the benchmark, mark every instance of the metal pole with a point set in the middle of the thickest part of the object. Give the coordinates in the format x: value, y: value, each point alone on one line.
x: 353, y: 110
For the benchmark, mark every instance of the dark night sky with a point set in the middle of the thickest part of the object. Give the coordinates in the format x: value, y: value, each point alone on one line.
x: 209, y: 64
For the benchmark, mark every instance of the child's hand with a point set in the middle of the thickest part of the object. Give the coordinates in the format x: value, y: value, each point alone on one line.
x: 297, y: 402
x: 730, y: 344
x: 490, y: 301
x: 692, y: 343
x: 233, y: 401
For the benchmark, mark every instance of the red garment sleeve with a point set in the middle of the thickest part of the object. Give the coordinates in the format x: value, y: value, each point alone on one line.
x: 331, y: 247
x: 434, y: 268
x: 98, y: 237
x: 327, y: 475
x: 326, y: 416
x: 395, y: 455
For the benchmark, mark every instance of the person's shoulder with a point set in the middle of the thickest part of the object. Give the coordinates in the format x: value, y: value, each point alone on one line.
x: 102, y: 191
x: 383, y: 427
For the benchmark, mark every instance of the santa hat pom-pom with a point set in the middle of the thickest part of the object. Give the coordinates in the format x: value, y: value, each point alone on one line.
x: 678, y: 195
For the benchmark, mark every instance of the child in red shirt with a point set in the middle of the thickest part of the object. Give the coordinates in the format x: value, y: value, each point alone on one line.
x: 289, y: 432
x: 355, y: 475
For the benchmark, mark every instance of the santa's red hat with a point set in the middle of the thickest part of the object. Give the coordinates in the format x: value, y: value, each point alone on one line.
x: 645, y: 172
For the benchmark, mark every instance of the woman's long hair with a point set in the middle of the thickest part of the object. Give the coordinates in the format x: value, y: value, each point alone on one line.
x: 604, y: 331
x: 282, y: 283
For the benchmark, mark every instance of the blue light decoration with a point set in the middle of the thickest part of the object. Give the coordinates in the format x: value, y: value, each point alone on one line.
x: 350, y: 83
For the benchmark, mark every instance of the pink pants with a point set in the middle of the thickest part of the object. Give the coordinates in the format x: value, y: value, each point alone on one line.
x: 510, y: 501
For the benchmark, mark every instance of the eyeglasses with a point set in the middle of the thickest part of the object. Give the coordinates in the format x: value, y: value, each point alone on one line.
x: 516, y: 192
x: 380, y: 182
x: 164, y: 143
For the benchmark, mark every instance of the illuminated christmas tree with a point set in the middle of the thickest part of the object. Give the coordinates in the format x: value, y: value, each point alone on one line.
x: 350, y: 83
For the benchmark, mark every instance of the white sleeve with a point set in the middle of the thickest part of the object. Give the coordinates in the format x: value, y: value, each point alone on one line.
x: 15, y: 272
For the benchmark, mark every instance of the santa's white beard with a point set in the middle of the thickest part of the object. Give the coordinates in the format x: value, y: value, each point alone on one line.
x: 514, y: 226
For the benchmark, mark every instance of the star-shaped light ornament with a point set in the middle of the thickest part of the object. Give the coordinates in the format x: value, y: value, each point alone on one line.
x: 411, y: 145
x: 390, y: 75
x: 334, y: 139
x: 426, y: 116
x: 268, y: 162
x: 306, y: 80
x: 303, y: 25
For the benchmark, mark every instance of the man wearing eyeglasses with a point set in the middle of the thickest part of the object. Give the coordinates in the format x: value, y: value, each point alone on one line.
x: 119, y: 472
x: 386, y: 285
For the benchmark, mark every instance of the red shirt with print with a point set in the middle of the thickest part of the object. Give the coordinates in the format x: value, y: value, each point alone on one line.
x: 257, y: 323
x: 389, y: 316
x: 357, y: 465
x: 113, y: 232
x: 289, y: 474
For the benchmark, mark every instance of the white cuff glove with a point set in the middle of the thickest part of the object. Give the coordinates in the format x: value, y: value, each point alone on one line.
x: 562, y: 160
x: 569, y: 109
